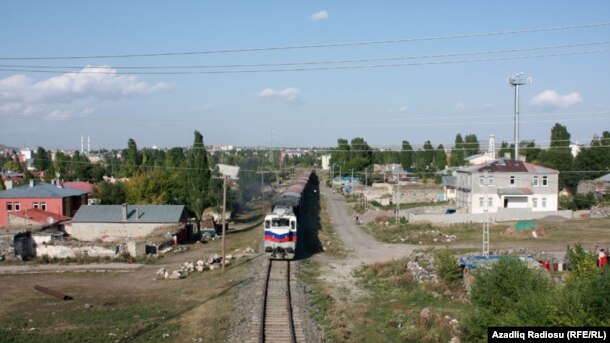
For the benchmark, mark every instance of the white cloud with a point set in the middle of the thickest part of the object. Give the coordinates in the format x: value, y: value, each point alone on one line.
x: 550, y: 98
x: 289, y: 94
x: 20, y: 94
x: 318, y: 16
x: 402, y: 109
x: 60, y: 114
x: 488, y: 106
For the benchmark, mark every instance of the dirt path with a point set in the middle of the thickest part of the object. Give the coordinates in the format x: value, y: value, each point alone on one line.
x: 361, y: 248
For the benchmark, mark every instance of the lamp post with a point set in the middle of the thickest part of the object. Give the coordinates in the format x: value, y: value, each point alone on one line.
x: 516, y: 81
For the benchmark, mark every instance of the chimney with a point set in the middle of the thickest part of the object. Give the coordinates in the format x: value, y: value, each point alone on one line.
x: 8, y: 184
x: 124, y: 212
x: 31, y: 183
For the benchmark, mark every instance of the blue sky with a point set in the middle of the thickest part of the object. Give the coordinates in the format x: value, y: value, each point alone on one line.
x: 384, y: 105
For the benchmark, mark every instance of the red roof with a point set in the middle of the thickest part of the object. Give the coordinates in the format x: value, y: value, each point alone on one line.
x: 39, y: 216
x: 80, y: 185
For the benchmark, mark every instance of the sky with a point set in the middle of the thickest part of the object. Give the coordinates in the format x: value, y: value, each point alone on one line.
x: 299, y: 73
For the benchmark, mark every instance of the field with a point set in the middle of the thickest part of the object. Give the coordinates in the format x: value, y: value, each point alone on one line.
x: 130, y: 306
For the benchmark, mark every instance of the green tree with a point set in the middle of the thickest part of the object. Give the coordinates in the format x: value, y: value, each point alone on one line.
x: 594, y: 158
x: 406, y: 155
x: 132, y: 157
x: 42, y: 160
x: 471, y: 145
x: 109, y: 193
x: 508, y: 294
x: 440, y: 158
x: 152, y: 188
x: 559, y: 156
x: 457, y: 153
x: 198, y: 177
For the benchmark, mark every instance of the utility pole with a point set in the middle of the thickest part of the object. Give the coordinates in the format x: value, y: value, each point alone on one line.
x: 516, y: 81
x: 224, y: 216
x: 397, y: 199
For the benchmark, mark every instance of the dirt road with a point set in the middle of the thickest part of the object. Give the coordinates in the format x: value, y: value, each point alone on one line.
x: 361, y: 248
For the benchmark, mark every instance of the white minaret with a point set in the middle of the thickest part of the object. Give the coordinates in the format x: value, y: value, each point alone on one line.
x: 491, y: 149
x: 82, y: 144
x: 88, y: 145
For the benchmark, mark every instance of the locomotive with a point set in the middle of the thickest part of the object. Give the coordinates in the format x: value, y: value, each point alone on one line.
x: 283, y: 223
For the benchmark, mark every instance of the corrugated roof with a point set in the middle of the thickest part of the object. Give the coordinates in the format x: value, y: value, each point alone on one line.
x: 449, y: 180
x: 135, y: 214
x: 39, y: 216
x: 40, y: 190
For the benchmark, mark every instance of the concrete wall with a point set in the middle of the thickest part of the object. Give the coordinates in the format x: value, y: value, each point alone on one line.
x: 509, y: 215
x: 61, y: 251
x: 107, y: 232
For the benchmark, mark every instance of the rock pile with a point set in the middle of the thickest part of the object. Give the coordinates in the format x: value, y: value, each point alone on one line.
x: 211, y: 263
x: 421, y: 266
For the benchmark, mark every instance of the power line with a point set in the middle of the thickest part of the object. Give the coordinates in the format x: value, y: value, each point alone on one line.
x: 369, y: 66
x: 326, y: 45
x: 342, y: 61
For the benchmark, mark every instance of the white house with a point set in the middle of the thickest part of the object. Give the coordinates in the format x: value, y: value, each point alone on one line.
x: 505, y: 185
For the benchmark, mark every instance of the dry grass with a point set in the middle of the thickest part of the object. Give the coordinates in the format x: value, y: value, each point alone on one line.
x: 127, y: 306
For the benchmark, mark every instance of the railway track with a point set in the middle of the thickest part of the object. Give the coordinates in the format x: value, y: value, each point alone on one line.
x: 278, y: 321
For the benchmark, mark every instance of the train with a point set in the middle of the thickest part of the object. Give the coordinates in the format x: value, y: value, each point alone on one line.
x: 282, y: 225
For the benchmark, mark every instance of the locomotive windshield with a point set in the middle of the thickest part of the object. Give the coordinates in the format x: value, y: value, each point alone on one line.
x: 280, y: 222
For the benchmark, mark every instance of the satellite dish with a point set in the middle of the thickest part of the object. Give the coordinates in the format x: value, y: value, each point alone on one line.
x: 50, y: 220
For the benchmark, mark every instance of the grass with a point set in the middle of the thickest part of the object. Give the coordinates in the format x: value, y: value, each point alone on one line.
x: 327, y: 235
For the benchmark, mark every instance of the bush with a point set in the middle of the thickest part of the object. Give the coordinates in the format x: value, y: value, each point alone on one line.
x: 447, y: 268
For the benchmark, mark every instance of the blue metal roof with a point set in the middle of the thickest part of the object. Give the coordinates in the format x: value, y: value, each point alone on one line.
x: 135, y: 214
x: 40, y: 190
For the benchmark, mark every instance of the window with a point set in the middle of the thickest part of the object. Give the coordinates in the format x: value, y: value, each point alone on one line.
x: 543, y: 202
x: 17, y: 206
x: 535, y: 181
x: 534, y: 202
x: 280, y: 222
x: 9, y: 206
x: 293, y: 225
x: 481, y: 181
x: 480, y: 201
x: 35, y: 205
x: 512, y: 180
x: 545, y: 181
x: 267, y: 224
x: 490, y: 202
x: 490, y: 181
x: 43, y: 206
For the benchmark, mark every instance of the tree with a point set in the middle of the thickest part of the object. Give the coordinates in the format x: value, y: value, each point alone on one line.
x: 559, y: 156
x: 457, y: 153
x: 198, y: 177
x: 471, y: 145
x: 406, y: 155
x: 109, y: 193
x: 152, y: 188
x: 42, y: 160
x: 508, y: 294
x: 594, y: 158
x: 440, y: 158
x: 132, y: 157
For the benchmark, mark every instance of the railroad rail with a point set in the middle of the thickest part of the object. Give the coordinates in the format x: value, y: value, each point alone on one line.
x: 277, y: 321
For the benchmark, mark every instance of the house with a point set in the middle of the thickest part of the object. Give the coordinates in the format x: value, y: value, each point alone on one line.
x: 399, y: 175
x: 506, y: 185
x: 34, y: 219
x: 232, y: 172
x: 598, y: 187
x: 54, y: 199
x: 128, y: 222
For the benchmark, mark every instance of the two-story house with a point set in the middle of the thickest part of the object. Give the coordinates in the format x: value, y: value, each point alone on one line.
x: 54, y: 199
x: 506, y: 185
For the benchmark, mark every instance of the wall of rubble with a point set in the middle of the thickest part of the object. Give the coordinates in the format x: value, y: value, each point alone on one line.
x: 7, y: 251
x: 600, y: 212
